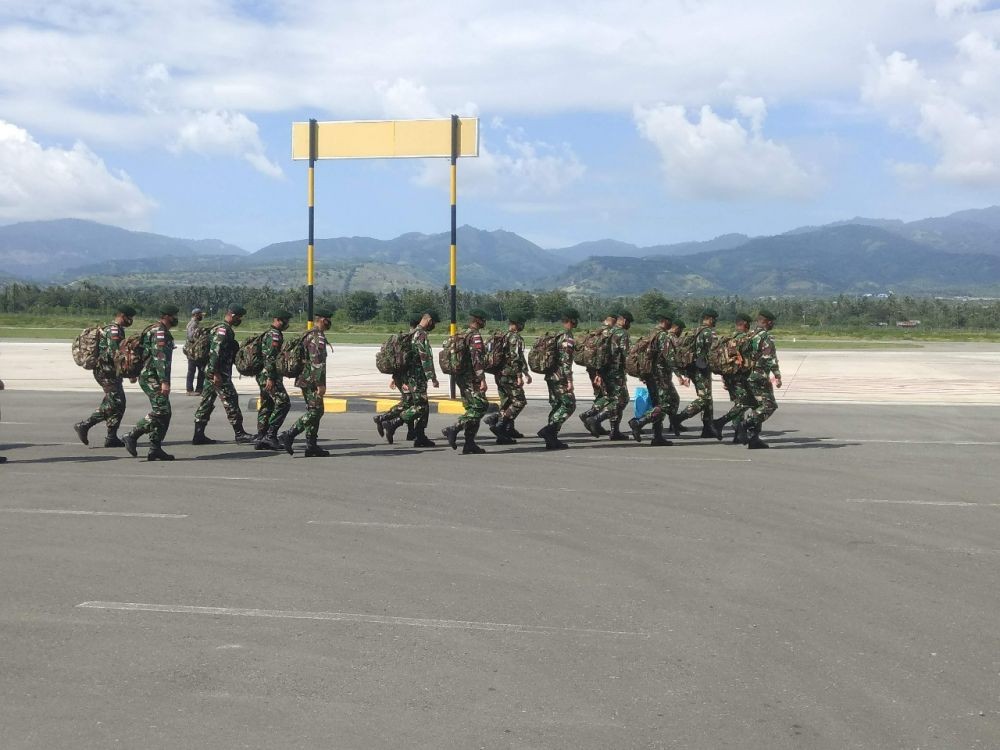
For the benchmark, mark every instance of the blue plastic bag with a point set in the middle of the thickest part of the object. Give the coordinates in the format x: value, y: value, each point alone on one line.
x: 642, y: 404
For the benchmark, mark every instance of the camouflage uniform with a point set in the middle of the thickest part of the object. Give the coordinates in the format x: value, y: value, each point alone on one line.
x: 220, y: 362
x: 512, y: 398
x: 701, y: 377
x: 112, y: 408
x: 274, y: 405
x: 468, y: 380
x: 738, y: 387
x: 562, y: 400
x: 662, y: 394
x: 765, y: 364
x: 616, y: 397
x: 313, y: 377
x: 599, y: 390
x: 158, y: 349
x: 414, y: 405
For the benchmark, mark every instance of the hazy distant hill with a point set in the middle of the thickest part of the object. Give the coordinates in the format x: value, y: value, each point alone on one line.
x: 41, y: 250
x: 613, y: 248
x: 850, y: 258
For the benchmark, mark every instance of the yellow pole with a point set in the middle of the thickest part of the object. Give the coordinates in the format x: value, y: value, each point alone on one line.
x: 312, y: 220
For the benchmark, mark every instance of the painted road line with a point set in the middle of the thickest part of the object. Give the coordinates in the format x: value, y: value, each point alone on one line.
x: 909, y: 442
x: 151, y: 476
x: 945, y: 503
x: 433, y: 527
x: 60, y: 512
x: 667, y: 458
x: 354, y: 617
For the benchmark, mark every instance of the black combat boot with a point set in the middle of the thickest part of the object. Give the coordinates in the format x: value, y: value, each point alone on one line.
x: 707, y: 430
x: 753, y: 437
x: 548, y: 434
x: 3, y: 459
x: 156, y: 453
x: 677, y: 424
x: 471, y: 428
x: 512, y: 431
x: 82, y: 428
x: 379, y: 428
x: 491, y: 420
x: 286, y: 439
x: 740, y: 435
x: 313, y: 450
x: 199, y: 435
x: 658, y: 438
x: 598, y: 430
x: 560, y: 445
x: 420, y: 439
x: 130, y: 440
x: 451, y: 435
x: 717, y: 426
x: 241, y: 436
x: 616, y: 434
x: 270, y: 441
x: 411, y: 432
x: 636, y: 427
x: 112, y: 440
x: 389, y: 427
x: 593, y: 423
x: 502, y: 431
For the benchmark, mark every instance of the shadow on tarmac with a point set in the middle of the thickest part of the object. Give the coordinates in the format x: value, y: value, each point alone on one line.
x: 66, y: 459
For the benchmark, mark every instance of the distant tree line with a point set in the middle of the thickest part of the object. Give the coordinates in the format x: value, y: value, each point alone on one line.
x: 543, y: 307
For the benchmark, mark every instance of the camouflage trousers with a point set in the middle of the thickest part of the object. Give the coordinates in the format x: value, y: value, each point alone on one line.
x: 230, y: 401
x: 763, y: 392
x: 413, y: 405
x: 702, y: 381
x: 664, y: 399
x: 309, y: 422
x: 473, y: 399
x: 598, y: 389
x: 274, y: 406
x: 615, y: 397
x: 562, y: 401
x: 158, y: 420
x: 512, y: 398
x: 740, y: 395
x: 112, y: 408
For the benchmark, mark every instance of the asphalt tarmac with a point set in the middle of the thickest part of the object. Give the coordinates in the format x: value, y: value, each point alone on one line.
x: 836, y: 591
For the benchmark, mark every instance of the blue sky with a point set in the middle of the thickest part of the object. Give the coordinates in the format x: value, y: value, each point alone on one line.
x: 647, y: 122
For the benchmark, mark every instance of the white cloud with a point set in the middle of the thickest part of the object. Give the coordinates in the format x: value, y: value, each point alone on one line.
x: 225, y: 133
x: 52, y: 183
x: 717, y: 159
x: 949, y: 8
x: 956, y: 112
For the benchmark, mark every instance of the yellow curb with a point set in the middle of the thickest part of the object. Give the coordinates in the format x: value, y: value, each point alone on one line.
x: 330, y: 405
x: 384, y: 404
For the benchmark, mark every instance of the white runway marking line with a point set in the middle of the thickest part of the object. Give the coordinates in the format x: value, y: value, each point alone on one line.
x: 685, y: 459
x: 944, y: 503
x: 151, y: 476
x: 430, y: 526
x: 352, y: 617
x: 58, y: 512
x: 910, y: 442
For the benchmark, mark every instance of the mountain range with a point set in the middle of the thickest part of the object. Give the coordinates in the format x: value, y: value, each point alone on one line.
x: 957, y: 254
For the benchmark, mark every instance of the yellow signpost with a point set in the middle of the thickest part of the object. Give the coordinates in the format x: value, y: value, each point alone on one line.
x: 386, y: 139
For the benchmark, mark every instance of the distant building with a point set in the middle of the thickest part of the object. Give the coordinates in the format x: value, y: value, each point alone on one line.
x: 907, y: 323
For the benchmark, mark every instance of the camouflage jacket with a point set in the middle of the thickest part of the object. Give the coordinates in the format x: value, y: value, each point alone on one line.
x: 565, y: 344
x: 223, y: 350
x: 158, y: 348
x: 663, y: 360
x: 702, y: 343
x: 314, y: 372
x: 270, y: 348
x: 765, y: 356
x: 619, y: 350
x: 108, y: 342
x: 516, y: 364
x: 476, y: 351
x: 422, y: 361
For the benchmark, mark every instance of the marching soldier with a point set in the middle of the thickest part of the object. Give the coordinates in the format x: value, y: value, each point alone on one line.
x: 614, y: 381
x: 413, y: 406
x: 219, y: 380
x: 662, y: 393
x: 158, y: 348
x: 112, y: 408
x: 510, y: 383
x: 472, y: 384
x: 195, y: 373
x: 560, y: 384
x: 738, y: 387
x: 312, y: 381
x: 274, y: 401
x: 701, y: 376
x: 606, y: 327
x: 765, y: 365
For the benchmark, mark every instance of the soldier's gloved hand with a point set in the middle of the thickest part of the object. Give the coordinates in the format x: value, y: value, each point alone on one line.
x: 435, y: 383
x: 164, y: 389
x: 321, y: 391
x: 133, y: 380
x: 777, y: 382
x: 482, y: 385
x: 527, y: 379
x: 569, y: 387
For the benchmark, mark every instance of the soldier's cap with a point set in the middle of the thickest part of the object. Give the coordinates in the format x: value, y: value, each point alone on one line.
x: 709, y: 312
x: 480, y: 313
x: 743, y: 318
x: 679, y: 325
x: 517, y: 316
x: 237, y: 309
x: 322, y: 313
x: 626, y: 315
x: 613, y: 312
x: 571, y: 313
x: 197, y: 310
x: 126, y: 310
x: 766, y: 314
x: 434, y: 315
x: 169, y: 310
x: 664, y: 315
x: 281, y: 315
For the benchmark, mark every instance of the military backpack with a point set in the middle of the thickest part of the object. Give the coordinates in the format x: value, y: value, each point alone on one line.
x: 394, y: 357
x: 684, y: 351
x: 85, y: 347
x: 641, y: 357
x: 497, y: 352
x: 131, y: 355
x: 594, y: 349
x: 725, y: 357
x: 249, y: 359
x: 292, y: 357
x: 454, y: 356
x: 543, y: 357
x: 200, y: 346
